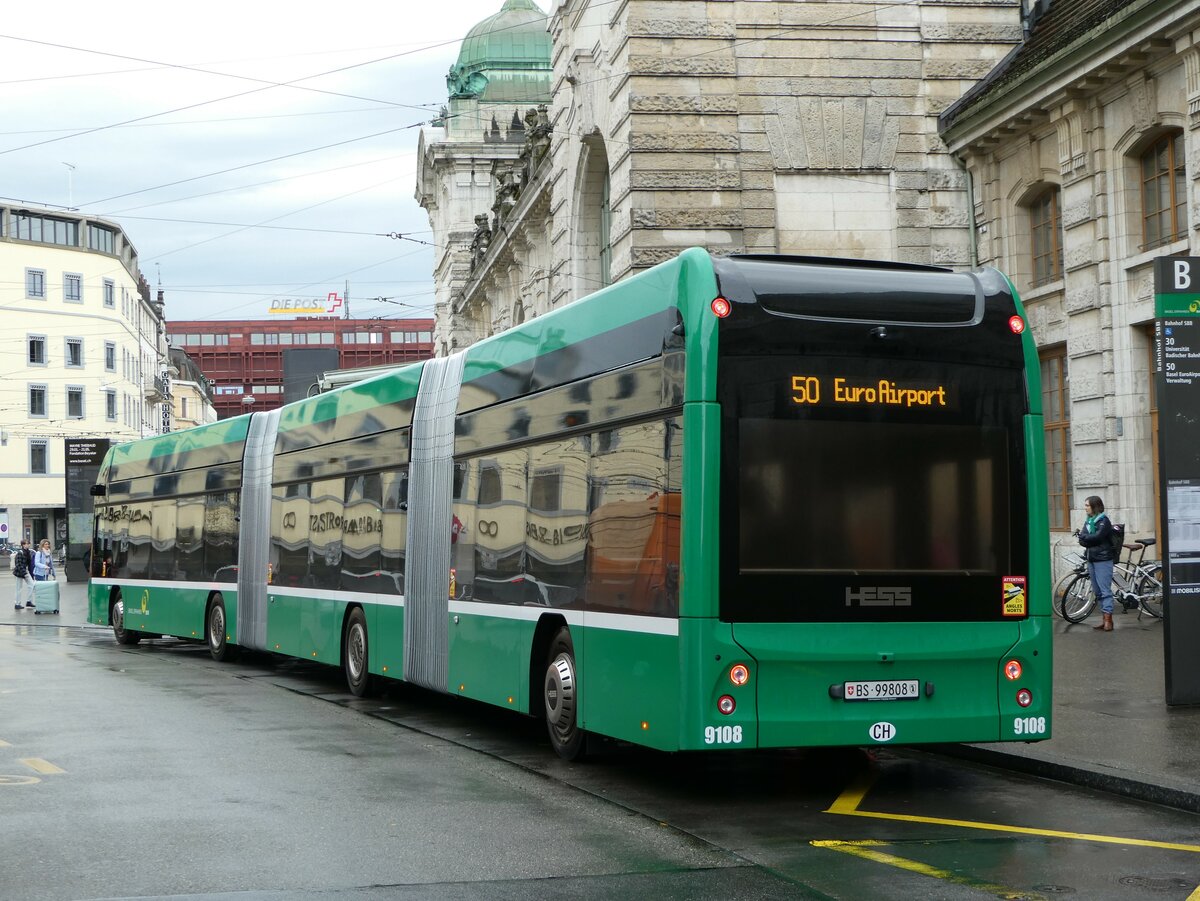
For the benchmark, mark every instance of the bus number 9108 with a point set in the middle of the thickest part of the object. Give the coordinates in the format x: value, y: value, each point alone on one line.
x: 722, y: 735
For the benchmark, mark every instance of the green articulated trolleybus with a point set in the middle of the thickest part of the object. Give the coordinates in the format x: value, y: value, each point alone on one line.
x: 727, y: 503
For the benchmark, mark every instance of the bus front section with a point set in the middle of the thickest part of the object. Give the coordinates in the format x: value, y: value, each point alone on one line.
x: 882, y: 539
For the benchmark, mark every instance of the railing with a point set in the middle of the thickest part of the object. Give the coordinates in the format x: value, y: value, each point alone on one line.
x: 155, y: 388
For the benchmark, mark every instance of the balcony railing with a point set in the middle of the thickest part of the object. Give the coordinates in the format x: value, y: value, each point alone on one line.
x: 155, y: 388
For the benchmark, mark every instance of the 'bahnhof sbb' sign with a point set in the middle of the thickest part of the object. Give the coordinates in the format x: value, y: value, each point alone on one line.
x: 305, y: 306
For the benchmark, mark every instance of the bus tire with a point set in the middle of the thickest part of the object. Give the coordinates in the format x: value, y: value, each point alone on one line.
x: 355, y: 659
x: 116, y: 616
x: 560, y: 696
x: 216, y: 628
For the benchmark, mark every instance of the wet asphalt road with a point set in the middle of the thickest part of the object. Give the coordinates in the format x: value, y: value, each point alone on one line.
x: 155, y: 772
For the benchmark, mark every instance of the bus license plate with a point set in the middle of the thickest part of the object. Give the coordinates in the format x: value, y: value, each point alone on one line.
x: 893, y: 690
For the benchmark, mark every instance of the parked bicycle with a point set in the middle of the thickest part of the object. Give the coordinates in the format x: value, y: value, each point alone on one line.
x: 1137, y: 585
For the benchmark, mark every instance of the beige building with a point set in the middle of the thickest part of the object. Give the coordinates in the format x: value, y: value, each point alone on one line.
x: 191, y: 393
x: 768, y: 126
x: 1079, y: 147
x: 85, y: 350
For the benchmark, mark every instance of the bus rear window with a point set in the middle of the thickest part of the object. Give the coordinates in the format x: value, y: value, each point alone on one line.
x: 859, y: 497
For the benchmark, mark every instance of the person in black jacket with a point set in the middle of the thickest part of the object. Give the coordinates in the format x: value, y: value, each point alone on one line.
x: 22, y: 568
x: 1096, y: 537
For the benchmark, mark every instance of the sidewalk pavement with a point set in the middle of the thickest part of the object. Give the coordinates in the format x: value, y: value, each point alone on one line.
x: 1112, y: 728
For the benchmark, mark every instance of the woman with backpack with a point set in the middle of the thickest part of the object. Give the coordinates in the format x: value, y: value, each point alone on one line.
x: 1096, y: 537
x: 22, y: 566
x: 43, y: 562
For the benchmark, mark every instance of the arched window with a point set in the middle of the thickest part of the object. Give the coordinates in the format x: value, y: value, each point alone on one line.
x: 605, y: 236
x: 1045, y: 233
x: 1164, y: 191
x: 592, y: 250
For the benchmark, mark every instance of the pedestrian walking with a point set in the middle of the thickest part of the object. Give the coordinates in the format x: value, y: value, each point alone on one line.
x: 1096, y: 537
x: 43, y: 562
x: 22, y: 569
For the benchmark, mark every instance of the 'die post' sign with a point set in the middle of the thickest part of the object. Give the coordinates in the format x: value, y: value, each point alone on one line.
x: 1177, y: 368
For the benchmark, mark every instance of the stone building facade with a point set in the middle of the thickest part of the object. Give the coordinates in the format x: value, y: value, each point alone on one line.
x: 1079, y: 147
x: 768, y: 126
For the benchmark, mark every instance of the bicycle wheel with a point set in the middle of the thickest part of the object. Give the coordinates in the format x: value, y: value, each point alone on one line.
x: 1078, y: 599
x: 1150, y: 591
x: 1060, y: 590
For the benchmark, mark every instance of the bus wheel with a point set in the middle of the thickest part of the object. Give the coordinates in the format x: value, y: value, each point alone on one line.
x: 354, y: 654
x: 561, y: 696
x: 215, y: 630
x: 116, y: 616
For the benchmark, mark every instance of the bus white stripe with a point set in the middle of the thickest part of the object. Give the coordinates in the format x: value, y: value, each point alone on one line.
x: 383, y: 600
x: 318, y: 594
x: 227, y: 587
x: 620, y: 622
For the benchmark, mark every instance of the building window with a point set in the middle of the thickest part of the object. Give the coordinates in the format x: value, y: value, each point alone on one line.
x: 545, y: 491
x: 74, y: 402
x: 35, y: 283
x: 37, y: 401
x: 102, y: 239
x: 110, y: 356
x: 605, y: 235
x: 73, y: 287
x: 183, y: 408
x: 39, y: 456
x: 110, y: 405
x: 37, y: 350
x: 1164, y: 192
x: 1045, y: 231
x: 75, y: 353
x: 1056, y: 416
x: 110, y: 292
x: 31, y: 227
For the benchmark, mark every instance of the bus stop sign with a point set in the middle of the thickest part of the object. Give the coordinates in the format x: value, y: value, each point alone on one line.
x: 1177, y: 370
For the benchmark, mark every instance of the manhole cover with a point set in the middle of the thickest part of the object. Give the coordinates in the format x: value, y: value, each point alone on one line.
x: 1156, y: 883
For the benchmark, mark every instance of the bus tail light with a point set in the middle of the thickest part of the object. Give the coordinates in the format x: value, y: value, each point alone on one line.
x: 1024, y: 697
x: 1017, y: 324
x: 726, y: 704
x: 739, y: 674
x: 1012, y: 670
x: 721, y: 307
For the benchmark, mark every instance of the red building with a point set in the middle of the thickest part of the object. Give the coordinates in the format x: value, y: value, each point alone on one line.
x: 257, y: 364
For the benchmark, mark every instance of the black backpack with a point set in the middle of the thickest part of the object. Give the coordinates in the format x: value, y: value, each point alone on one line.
x: 1117, y: 538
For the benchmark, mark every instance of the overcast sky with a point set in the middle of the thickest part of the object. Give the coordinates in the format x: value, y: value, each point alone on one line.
x: 165, y: 119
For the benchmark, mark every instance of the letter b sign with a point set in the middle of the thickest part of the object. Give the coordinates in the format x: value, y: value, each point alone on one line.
x: 1182, y: 275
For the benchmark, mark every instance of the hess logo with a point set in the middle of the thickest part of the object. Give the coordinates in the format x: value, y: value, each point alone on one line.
x: 880, y: 596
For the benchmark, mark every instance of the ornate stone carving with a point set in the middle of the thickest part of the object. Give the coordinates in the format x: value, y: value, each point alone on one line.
x: 462, y: 84
x: 480, y: 241
x: 536, y: 130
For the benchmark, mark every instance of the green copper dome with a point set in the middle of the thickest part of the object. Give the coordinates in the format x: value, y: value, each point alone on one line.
x: 506, y: 57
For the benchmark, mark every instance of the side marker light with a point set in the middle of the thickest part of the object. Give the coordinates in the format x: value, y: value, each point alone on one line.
x: 721, y: 307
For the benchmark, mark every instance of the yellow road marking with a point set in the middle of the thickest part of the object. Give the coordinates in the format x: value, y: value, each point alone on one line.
x: 45, y: 767
x: 18, y: 780
x: 864, y: 850
x: 847, y: 805
x: 1194, y: 896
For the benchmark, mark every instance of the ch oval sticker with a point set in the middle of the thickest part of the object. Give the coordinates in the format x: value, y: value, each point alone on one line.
x: 882, y: 732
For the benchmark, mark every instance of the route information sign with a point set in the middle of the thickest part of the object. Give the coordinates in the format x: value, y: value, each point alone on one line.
x: 1177, y: 367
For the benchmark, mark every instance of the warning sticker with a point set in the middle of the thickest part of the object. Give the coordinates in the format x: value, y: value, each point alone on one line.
x: 1014, y: 596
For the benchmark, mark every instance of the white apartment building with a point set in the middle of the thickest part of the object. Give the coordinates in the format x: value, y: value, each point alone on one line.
x: 84, y: 350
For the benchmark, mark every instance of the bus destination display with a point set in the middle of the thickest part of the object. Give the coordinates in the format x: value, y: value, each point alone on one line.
x: 812, y: 389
